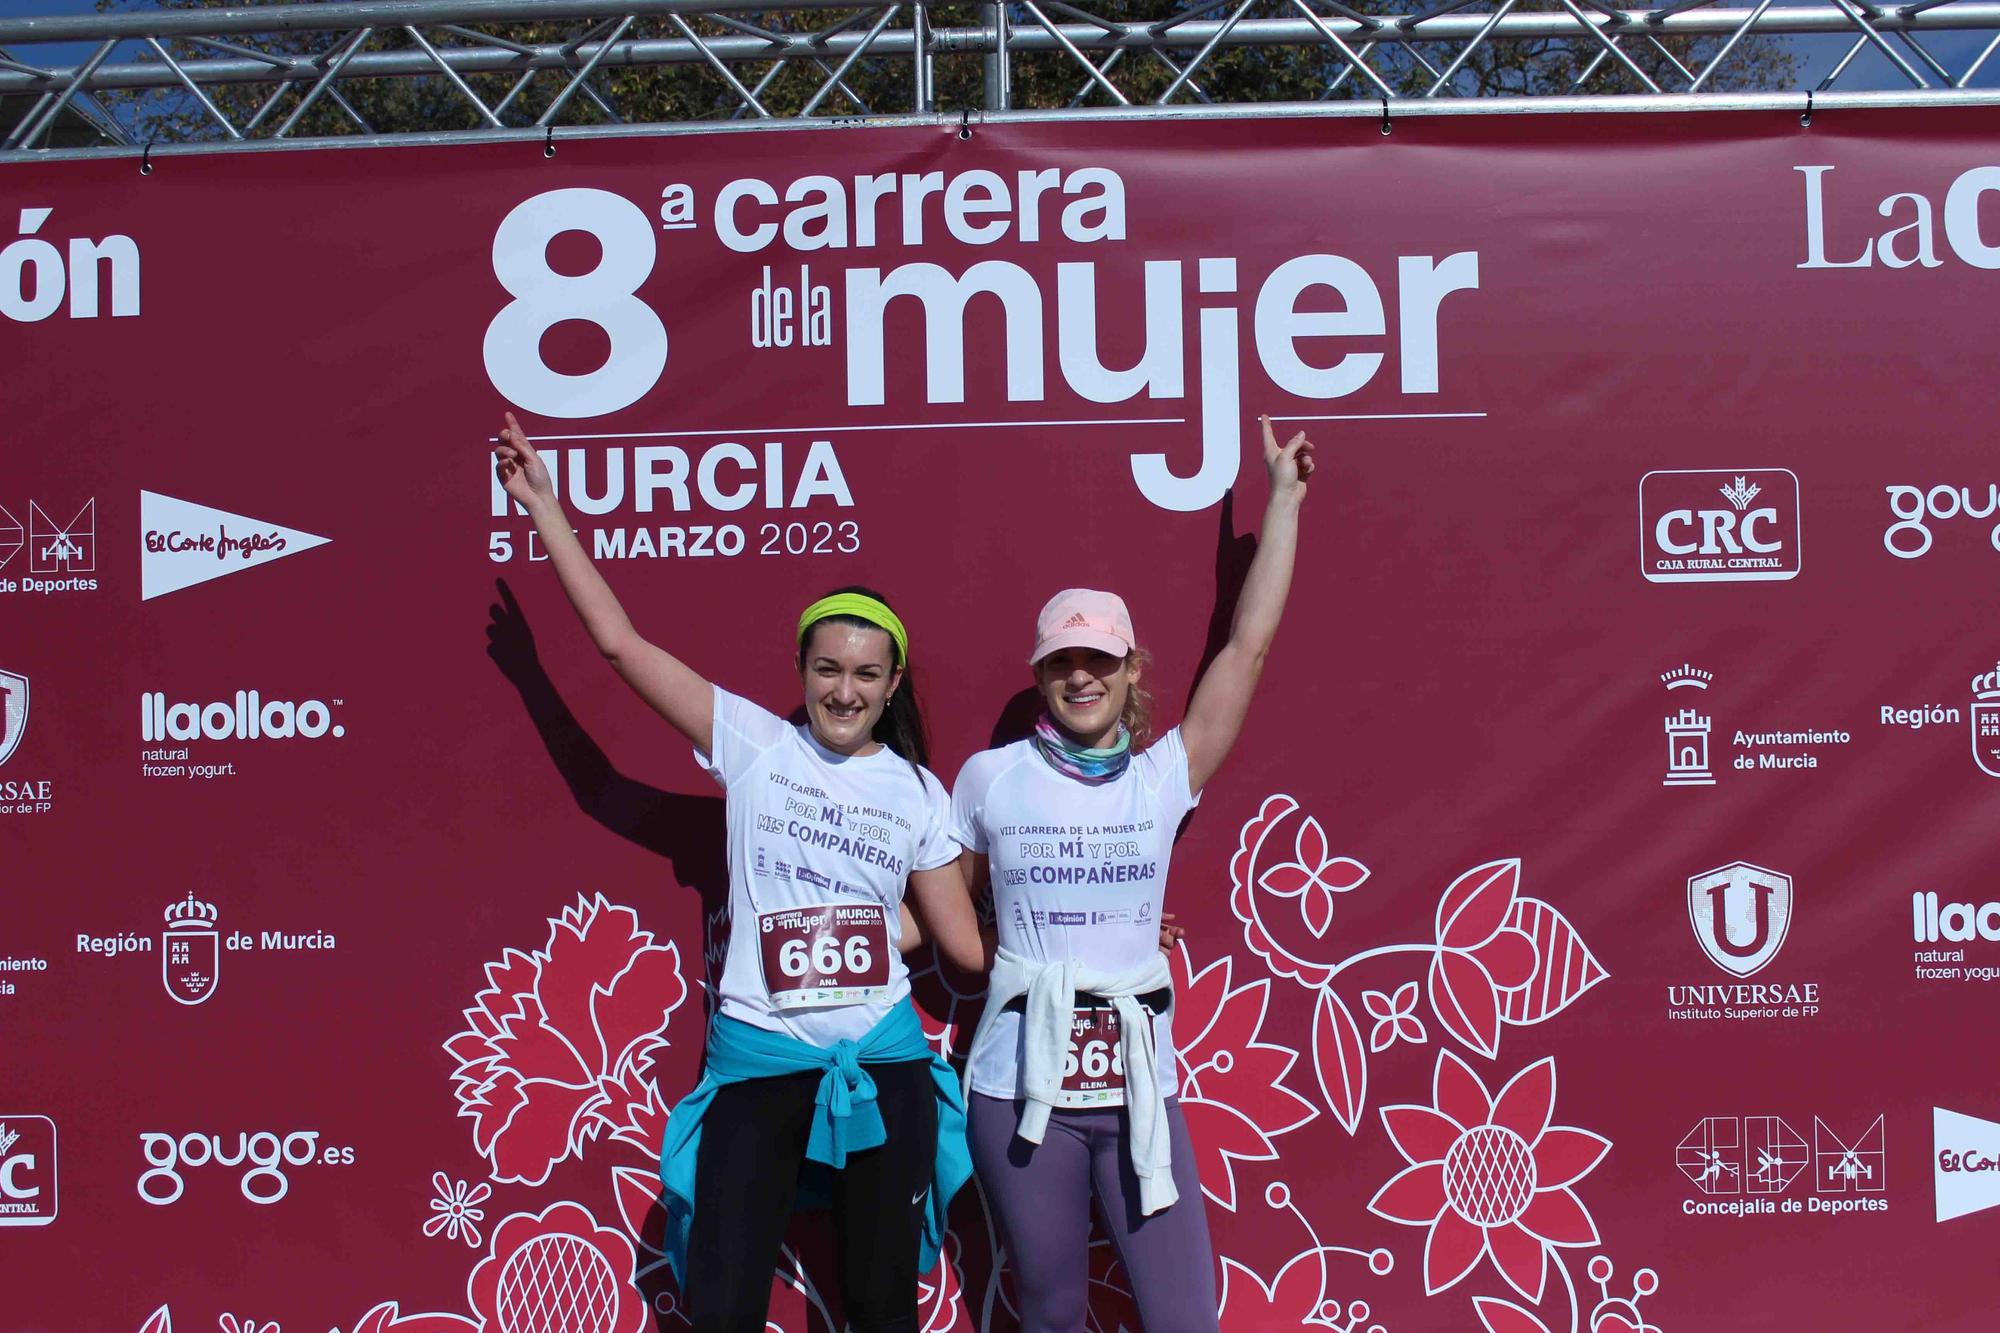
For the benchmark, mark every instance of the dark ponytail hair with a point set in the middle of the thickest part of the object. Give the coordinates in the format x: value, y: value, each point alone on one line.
x: 901, y: 726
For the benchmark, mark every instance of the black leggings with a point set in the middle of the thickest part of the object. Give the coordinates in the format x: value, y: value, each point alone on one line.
x: 753, y: 1143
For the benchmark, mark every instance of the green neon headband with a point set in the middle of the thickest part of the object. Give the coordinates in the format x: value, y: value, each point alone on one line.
x: 861, y: 607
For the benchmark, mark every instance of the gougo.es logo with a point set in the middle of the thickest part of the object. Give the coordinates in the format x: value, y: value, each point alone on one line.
x: 1915, y: 508
x: 263, y: 1153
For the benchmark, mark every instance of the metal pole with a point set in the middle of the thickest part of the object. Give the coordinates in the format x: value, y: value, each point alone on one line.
x: 493, y: 57
x: 812, y: 104
x: 999, y: 80
x: 194, y: 89
x: 922, y: 94
x: 325, y: 82
x: 27, y: 140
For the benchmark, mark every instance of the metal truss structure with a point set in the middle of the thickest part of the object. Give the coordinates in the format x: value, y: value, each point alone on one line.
x: 507, y: 68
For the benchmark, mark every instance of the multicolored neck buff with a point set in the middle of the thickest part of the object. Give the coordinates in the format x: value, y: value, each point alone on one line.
x: 1080, y: 761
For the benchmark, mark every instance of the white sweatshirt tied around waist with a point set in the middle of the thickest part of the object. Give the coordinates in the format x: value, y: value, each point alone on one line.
x: 1051, y: 989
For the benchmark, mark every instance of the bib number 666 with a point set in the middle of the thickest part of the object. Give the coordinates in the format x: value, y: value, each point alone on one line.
x: 824, y: 955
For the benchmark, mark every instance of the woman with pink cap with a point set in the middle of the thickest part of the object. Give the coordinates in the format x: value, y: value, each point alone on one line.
x: 1071, y: 1070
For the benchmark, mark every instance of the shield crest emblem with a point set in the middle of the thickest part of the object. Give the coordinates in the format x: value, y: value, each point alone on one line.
x: 1740, y: 914
x: 190, y: 957
x: 1985, y: 736
x: 13, y: 712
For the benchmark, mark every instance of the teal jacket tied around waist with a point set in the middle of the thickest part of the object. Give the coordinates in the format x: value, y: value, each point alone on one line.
x: 845, y: 1116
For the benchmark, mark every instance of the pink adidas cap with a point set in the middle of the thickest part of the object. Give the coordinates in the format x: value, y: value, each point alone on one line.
x: 1083, y: 618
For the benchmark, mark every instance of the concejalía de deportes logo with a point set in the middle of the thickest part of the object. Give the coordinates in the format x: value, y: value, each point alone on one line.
x: 62, y: 552
x: 1749, y: 1165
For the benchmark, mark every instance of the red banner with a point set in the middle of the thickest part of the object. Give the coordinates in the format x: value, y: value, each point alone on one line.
x: 1596, y: 927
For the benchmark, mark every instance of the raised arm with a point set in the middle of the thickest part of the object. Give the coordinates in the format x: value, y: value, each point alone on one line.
x: 1215, y: 716
x: 673, y: 689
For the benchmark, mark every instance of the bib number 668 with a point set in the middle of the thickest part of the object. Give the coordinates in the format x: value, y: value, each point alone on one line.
x: 1095, y: 1060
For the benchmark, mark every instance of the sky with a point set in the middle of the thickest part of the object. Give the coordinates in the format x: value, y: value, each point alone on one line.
x: 1870, y: 72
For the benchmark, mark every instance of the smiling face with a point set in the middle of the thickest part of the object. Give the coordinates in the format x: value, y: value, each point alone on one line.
x: 848, y: 672
x: 1085, y: 691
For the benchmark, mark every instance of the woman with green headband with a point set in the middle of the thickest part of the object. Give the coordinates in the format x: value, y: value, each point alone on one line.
x: 817, y: 1077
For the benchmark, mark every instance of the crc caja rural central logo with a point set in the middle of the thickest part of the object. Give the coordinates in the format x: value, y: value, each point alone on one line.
x: 1727, y: 526
x: 27, y: 1170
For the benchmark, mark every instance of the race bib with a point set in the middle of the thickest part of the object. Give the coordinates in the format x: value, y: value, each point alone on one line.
x: 1094, y: 1065
x: 820, y: 956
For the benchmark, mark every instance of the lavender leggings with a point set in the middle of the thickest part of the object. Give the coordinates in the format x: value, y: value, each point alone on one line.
x: 1042, y: 1193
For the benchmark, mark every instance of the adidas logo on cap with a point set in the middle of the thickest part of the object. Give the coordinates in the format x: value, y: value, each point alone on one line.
x: 1077, y: 621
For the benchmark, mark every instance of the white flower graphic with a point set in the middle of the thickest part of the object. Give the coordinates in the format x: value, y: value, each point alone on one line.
x: 457, y: 1209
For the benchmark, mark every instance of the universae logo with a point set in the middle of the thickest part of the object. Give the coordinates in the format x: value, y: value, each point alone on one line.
x: 1741, y: 914
x: 13, y: 712
x: 1738, y: 525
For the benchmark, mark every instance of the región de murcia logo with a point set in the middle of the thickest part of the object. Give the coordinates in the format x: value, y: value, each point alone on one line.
x: 1986, y: 721
x: 190, y: 951
x: 192, y: 943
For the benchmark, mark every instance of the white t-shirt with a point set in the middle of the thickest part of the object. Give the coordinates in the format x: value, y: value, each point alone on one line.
x: 815, y: 838
x: 1079, y: 871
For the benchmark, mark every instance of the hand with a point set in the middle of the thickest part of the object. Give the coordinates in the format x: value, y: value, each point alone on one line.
x: 1170, y: 934
x: 519, y: 467
x: 1289, y: 466
x: 509, y: 641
